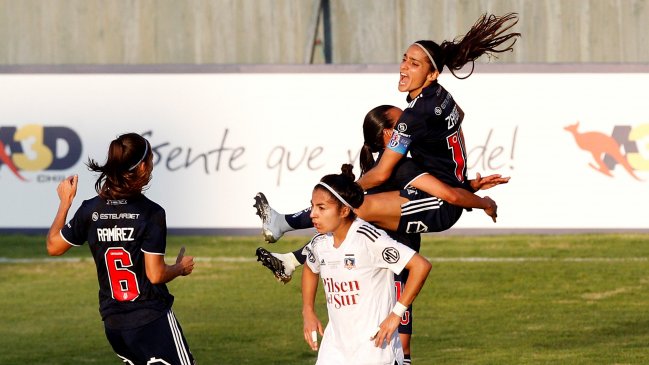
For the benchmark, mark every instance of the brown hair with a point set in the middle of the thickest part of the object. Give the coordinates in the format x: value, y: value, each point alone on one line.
x: 375, y: 122
x: 484, y: 37
x: 120, y: 177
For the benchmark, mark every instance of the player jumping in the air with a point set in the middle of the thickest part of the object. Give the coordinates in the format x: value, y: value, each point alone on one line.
x: 377, y: 128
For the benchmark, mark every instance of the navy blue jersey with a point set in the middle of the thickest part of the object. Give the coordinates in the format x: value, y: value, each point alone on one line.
x: 402, y: 176
x: 430, y: 129
x: 118, y: 233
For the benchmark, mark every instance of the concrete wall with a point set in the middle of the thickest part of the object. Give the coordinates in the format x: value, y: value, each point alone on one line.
x: 276, y: 31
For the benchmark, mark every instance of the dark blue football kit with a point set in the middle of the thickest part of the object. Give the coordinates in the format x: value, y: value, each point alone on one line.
x: 430, y: 129
x: 134, y: 311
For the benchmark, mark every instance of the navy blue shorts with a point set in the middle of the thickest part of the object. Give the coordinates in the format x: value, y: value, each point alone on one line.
x: 426, y: 213
x: 160, y: 342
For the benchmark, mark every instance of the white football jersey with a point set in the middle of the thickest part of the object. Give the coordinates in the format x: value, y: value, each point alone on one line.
x: 358, y: 280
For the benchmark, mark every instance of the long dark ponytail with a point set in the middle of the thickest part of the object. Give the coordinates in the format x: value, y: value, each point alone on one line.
x: 120, y: 176
x: 485, y: 36
x: 375, y: 122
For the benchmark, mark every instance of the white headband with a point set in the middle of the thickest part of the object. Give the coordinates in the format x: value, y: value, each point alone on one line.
x: 146, y: 150
x: 429, y: 56
x: 332, y: 191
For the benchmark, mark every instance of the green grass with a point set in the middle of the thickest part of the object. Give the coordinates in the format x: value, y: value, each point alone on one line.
x: 568, y: 299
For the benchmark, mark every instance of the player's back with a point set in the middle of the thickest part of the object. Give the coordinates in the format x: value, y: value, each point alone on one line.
x: 119, y: 233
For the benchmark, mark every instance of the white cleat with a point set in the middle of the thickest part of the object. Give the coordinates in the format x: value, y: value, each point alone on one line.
x: 270, y: 219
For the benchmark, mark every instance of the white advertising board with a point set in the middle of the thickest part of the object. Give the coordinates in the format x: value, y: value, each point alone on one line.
x: 220, y: 138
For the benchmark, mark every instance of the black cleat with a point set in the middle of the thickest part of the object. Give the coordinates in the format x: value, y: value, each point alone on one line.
x: 273, y: 264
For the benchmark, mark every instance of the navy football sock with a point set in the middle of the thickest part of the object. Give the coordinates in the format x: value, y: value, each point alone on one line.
x: 299, y: 256
x: 299, y: 220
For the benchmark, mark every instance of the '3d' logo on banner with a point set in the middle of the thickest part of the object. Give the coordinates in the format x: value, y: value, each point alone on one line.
x: 37, y: 148
x: 607, y: 150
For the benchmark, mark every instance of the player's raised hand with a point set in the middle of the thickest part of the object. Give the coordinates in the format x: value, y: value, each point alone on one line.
x: 67, y: 189
x: 488, y: 182
x: 186, y: 262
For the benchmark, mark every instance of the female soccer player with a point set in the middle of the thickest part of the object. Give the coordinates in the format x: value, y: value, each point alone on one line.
x: 377, y: 130
x: 396, y: 205
x: 126, y: 233
x: 429, y: 128
x: 356, y: 263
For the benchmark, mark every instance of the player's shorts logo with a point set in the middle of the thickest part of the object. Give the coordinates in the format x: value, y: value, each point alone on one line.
x: 391, y: 255
x: 416, y: 227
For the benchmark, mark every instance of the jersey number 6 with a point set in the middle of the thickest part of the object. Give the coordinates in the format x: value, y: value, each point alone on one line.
x: 123, y: 282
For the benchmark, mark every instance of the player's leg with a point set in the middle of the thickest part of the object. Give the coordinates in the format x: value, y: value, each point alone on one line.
x: 274, y: 224
x: 425, y: 213
x: 282, y: 265
x: 119, y: 346
x: 160, y: 342
x: 382, y: 209
x: 408, y: 211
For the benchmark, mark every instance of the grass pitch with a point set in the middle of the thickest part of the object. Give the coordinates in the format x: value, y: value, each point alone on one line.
x: 568, y: 299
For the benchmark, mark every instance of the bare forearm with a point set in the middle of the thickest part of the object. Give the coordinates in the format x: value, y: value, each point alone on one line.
x: 456, y: 196
x: 170, y: 272
x: 159, y: 272
x: 54, y: 242
x: 465, y: 199
x: 418, y: 273
x: 309, y: 288
x: 371, y: 179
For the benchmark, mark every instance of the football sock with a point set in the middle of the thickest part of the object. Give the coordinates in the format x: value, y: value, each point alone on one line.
x: 299, y: 258
x: 299, y: 220
x: 289, y: 261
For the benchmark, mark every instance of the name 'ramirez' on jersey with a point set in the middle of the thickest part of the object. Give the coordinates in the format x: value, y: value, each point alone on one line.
x: 118, y: 232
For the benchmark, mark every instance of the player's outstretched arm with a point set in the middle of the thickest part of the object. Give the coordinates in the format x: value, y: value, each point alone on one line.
x: 66, y: 190
x: 418, y: 268
x: 456, y: 196
x: 159, y: 272
x: 312, y: 324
